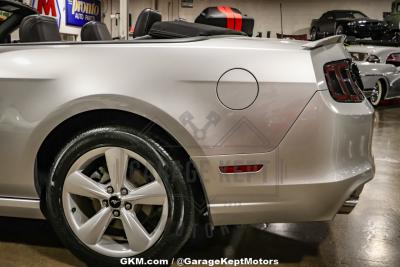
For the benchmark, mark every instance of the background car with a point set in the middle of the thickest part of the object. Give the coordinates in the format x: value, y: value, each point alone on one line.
x: 227, y: 17
x: 347, y: 22
x: 376, y: 54
x: 379, y: 71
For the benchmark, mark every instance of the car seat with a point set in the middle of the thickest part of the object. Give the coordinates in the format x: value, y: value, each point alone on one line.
x: 95, y: 31
x: 37, y: 28
x: 145, y: 21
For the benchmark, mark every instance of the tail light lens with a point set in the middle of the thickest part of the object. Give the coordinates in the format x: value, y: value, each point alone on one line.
x: 394, y: 59
x: 344, y: 82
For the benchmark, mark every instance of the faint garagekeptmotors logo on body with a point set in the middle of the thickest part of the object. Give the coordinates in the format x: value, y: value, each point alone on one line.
x: 230, y: 139
x: 199, y: 133
x: 213, y: 134
x: 225, y: 136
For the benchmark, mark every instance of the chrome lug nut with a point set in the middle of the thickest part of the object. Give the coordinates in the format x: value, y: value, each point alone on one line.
x: 124, y: 191
x: 105, y: 203
x: 116, y: 213
x: 110, y: 190
x: 128, y: 206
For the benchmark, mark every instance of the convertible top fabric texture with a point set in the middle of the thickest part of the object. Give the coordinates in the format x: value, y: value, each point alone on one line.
x: 183, y: 29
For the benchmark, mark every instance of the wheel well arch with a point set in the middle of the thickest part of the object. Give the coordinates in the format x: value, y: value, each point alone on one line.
x: 69, y: 128
x: 343, y: 24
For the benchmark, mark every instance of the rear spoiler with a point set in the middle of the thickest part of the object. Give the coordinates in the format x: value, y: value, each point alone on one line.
x: 337, y: 39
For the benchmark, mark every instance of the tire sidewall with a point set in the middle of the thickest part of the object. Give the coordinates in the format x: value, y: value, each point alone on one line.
x: 380, y: 90
x: 180, y: 203
x: 377, y: 36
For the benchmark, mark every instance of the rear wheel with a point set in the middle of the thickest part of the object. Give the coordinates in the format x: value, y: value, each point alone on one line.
x: 377, y: 36
x: 339, y: 30
x: 378, y: 93
x: 116, y: 193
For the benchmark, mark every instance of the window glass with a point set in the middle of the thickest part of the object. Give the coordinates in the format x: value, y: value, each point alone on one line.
x: 359, y: 56
x: 325, y: 16
x: 350, y: 15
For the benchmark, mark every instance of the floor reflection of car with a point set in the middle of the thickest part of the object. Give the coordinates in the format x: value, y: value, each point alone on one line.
x: 379, y: 70
x: 127, y: 154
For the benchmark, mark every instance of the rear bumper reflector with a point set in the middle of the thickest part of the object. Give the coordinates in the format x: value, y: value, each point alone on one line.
x: 241, y: 168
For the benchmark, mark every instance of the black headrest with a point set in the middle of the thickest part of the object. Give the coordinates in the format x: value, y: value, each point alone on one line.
x: 182, y: 29
x: 145, y: 20
x: 37, y: 28
x: 95, y: 31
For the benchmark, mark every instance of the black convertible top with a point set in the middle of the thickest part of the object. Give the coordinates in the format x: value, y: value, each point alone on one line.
x: 184, y: 29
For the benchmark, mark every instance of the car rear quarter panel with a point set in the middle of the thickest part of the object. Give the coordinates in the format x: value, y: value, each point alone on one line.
x: 42, y: 85
x: 324, y: 156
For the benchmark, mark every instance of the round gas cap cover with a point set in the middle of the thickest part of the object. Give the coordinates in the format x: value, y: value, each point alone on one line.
x: 237, y: 89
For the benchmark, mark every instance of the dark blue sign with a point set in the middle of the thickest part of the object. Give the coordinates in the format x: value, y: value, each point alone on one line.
x: 79, y: 12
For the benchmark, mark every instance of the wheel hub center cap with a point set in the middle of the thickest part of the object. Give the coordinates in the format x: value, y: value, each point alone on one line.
x: 115, y: 202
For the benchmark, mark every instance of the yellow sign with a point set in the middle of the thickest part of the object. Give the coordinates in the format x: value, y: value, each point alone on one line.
x: 4, y: 15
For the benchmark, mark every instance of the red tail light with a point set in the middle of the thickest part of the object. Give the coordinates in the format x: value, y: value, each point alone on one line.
x: 344, y: 81
x: 394, y: 59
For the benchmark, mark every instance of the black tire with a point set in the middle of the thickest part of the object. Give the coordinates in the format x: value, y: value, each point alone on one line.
x: 180, y: 200
x: 340, y: 30
x: 380, y: 88
x: 377, y: 36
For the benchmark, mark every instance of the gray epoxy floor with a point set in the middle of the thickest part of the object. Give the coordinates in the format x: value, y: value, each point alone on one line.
x: 369, y: 236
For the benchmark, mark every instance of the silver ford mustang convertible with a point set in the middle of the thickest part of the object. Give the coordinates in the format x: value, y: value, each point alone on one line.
x: 126, y: 146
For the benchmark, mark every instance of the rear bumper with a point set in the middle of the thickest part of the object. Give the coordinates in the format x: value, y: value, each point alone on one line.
x: 322, y: 160
x: 293, y: 203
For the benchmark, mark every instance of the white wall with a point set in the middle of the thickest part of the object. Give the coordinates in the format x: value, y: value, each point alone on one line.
x: 297, y: 14
x: 112, y: 7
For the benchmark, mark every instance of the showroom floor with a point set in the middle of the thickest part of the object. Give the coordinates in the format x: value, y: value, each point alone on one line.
x: 370, y: 236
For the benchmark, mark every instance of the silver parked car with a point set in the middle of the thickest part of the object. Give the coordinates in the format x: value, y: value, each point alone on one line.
x: 379, y: 70
x: 125, y: 146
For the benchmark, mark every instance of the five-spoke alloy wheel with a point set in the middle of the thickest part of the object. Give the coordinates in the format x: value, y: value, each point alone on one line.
x: 117, y: 193
x: 118, y: 199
